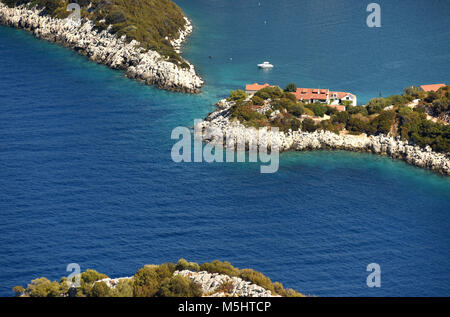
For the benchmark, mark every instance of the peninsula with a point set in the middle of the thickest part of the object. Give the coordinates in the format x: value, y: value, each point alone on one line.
x: 413, y: 126
x: 183, y: 279
x: 142, y: 37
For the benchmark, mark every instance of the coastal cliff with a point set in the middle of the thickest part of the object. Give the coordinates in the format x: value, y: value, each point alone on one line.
x: 219, y: 126
x: 108, y: 47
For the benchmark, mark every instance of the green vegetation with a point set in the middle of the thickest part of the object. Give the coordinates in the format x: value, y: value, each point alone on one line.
x: 149, y: 281
x: 147, y: 21
x: 292, y: 87
x: 391, y: 115
x: 437, y: 103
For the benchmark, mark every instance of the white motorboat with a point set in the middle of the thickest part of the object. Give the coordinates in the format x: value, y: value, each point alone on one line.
x: 265, y: 65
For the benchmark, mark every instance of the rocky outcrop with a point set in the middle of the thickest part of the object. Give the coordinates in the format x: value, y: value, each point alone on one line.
x: 218, y: 128
x: 220, y: 285
x: 106, y: 48
x: 113, y: 282
x: 176, y: 43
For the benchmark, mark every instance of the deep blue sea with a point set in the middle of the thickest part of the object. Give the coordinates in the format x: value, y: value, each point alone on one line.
x: 86, y: 174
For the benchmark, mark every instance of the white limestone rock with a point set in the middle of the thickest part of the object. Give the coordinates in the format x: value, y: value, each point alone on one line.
x: 218, y: 123
x: 106, y: 48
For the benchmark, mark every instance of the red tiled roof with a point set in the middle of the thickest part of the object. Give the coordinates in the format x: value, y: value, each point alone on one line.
x: 434, y: 87
x: 311, y: 93
x: 340, y: 94
x: 255, y: 87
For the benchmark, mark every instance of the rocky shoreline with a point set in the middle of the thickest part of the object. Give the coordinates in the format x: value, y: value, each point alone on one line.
x: 211, y: 284
x: 218, y: 126
x: 108, y: 49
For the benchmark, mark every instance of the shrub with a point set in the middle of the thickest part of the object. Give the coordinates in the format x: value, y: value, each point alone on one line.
x: 257, y: 101
x: 146, y: 282
x: 319, y: 109
x: 355, y: 124
x: 257, y: 278
x: 291, y: 88
x: 91, y: 276
x: 237, y: 95
x: 100, y: 289
x: 270, y: 92
x: 308, y: 125
x: 382, y: 124
x: 42, y: 287
x: 179, y: 286
x: 340, y: 117
x: 290, y: 96
x: 375, y: 105
x: 327, y: 125
x: 18, y: 290
x: 297, y: 110
x: 330, y: 110
x: 245, y: 114
x: 220, y: 267
x: 182, y: 264
x: 413, y: 91
x: 123, y: 289
x: 356, y: 109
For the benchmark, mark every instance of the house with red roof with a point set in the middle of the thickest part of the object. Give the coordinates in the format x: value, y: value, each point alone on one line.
x: 338, y: 97
x: 312, y: 95
x: 434, y: 87
x: 254, y: 88
x: 334, y: 99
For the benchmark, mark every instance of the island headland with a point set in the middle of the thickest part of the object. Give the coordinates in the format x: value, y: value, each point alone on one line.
x: 413, y: 127
x: 143, y: 38
x: 181, y: 279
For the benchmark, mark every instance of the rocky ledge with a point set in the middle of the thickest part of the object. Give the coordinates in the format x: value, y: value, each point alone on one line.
x: 220, y: 285
x: 218, y: 128
x: 106, y: 48
x: 212, y: 284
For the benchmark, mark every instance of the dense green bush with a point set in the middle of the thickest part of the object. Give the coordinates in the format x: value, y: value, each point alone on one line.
x: 375, y: 105
x: 146, y: 282
x: 319, y: 109
x: 414, y: 126
x: 246, y: 115
x: 220, y: 267
x: 355, y: 124
x: 91, y: 276
x: 182, y: 264
x: 237, y: 95
x: 437, y: 103
x: 309, y: 125
x: 382, y: 123
x: 292, y: 87
x: 340, y: 117
x: 179, y: 286
x: 414, y: 92
x: 147, y: 21
x: 123, y: 289
x: 257, y: 101
x: 150, y: 281
x: 100, y: 289
x: 356, y: 109
x: 270, y: 92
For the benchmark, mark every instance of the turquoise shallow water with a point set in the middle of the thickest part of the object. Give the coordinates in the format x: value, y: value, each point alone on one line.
x: 86, y: 174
